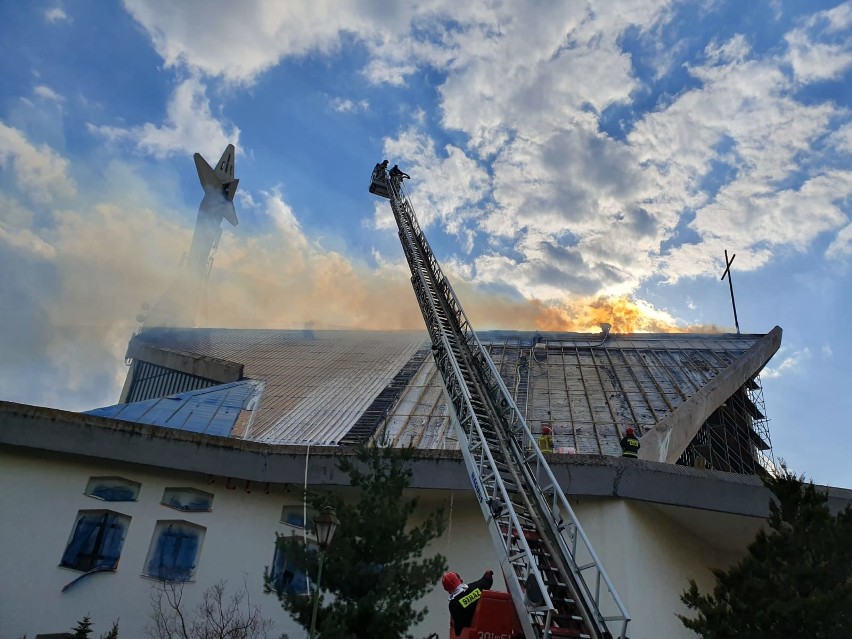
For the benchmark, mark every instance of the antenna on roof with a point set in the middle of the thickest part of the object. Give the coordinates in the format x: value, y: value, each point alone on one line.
x: 727, y: 274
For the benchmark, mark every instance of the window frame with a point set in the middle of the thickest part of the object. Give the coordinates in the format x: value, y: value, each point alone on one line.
x: 176, y: 569
x: 170, y: 492
x: 134, y: 486
x: 279, y: 563
x: 94, y: 552
x: 300, y: 508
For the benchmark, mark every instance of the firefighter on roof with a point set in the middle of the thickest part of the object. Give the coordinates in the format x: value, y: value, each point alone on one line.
x: 629, y: 444
x: 545, y: 440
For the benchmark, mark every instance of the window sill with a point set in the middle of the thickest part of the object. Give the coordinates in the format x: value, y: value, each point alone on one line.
x: 145, y: 575
x: 83, y: 572
x: 187, y: 510
x: 111, y: 501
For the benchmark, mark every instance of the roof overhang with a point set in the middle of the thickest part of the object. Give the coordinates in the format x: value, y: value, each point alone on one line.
x: 53, y: 431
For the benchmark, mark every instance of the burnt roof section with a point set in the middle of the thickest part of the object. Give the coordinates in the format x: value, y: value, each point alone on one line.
x: 328, y: 387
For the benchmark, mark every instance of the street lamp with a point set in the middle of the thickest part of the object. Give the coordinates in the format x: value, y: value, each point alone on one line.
x: 325, y: 524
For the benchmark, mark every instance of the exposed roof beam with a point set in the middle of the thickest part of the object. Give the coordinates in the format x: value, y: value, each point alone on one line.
x: 671, y: 436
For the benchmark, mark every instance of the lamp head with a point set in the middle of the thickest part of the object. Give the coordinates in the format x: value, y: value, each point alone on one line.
x: 325, y: 524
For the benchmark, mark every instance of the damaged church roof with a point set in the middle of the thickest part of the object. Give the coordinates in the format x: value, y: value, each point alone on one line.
x: 346, y: 387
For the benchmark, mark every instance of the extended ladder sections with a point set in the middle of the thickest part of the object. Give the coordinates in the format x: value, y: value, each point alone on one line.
x: 557, y: 582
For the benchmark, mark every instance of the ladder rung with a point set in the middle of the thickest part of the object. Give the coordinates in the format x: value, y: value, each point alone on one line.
x: 568, y: 632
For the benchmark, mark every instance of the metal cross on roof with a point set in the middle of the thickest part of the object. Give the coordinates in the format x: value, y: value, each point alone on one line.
x: 727, y: 274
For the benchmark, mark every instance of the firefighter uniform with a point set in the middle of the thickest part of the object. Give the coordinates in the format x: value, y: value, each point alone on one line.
x: 463, y: 605
x: 629, y: 445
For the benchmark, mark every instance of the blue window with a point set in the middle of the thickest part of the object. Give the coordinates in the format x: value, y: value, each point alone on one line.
x: 295, y: 516
x: 174, y: 551
x: 113, y: 489
x: 188, y: 499
x: 96, y: 541
x: 285, y: 577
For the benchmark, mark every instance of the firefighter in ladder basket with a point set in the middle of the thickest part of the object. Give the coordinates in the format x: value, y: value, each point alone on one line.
x: 464, y: 597
x: 398, y: 173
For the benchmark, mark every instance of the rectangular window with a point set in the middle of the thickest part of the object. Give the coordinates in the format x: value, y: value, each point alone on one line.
x: 174, y: 551
x: 295, y: 516
x: 96, y: 541
x: 285, y: 577
x: 113, y: 489
x: 188, y: 499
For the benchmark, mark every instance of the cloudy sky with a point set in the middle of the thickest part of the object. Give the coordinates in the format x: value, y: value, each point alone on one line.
x: 571, y: 163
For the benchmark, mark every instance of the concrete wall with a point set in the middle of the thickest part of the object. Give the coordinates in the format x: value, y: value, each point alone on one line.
x: 647, y: 553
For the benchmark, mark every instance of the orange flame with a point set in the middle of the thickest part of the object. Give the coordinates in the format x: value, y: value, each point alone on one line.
x: 582, y: 315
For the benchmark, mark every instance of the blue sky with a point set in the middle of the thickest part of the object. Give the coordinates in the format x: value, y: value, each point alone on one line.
x: 571, y: 163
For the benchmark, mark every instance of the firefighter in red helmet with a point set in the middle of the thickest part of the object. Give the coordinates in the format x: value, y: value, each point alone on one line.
x: 629, y: 444
x: 464, y: 597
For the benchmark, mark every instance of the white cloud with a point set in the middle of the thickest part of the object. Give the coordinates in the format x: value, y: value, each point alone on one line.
x: 841, y: 245
x: 26, y: 241
x: 46, y: 93
x: 813, y: 59
x: 56, y: 14
x: 190, y: 127
x: 791, y: 364
x: 746, y: 108
x: 447, y: 185
x: 735, y: 50
x: 557, y: 66
x: 240, y: 41
x: 281, y: 213
x: 16, y: 232
x: 40, y: 172
x: 554, y: 174
x: 345, y: 105
x: 573, y: 200
x: 841, y: 139
x: 245, y: 199
x: 525, y: 91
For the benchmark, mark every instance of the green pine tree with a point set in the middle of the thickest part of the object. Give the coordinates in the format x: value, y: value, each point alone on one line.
x: 83, y: 628
x: 373, y: 566
x: 795, y: 581
x: 113, y: 632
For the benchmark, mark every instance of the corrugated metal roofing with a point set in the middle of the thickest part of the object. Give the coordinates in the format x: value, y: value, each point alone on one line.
x: 318, y: 384
x: 212, y: 411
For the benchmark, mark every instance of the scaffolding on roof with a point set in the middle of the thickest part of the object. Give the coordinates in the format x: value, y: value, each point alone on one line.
x: 736, y: 436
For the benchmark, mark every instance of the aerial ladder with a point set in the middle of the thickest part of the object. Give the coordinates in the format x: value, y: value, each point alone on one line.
x: 556, y: 581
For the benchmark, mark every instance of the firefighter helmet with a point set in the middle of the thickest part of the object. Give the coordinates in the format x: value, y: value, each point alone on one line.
x: 450, y: 581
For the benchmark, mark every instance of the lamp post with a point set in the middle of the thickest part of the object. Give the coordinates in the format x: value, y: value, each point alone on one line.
x: 325, y: 524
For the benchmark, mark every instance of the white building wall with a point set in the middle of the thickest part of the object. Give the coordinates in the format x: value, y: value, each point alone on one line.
x: 649, y: 557
x: 39, y: 501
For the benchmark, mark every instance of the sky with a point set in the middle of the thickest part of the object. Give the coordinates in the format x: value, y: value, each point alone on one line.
x: 572, y: 163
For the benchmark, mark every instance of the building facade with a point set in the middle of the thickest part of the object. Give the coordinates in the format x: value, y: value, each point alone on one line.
x: 191, y: 476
